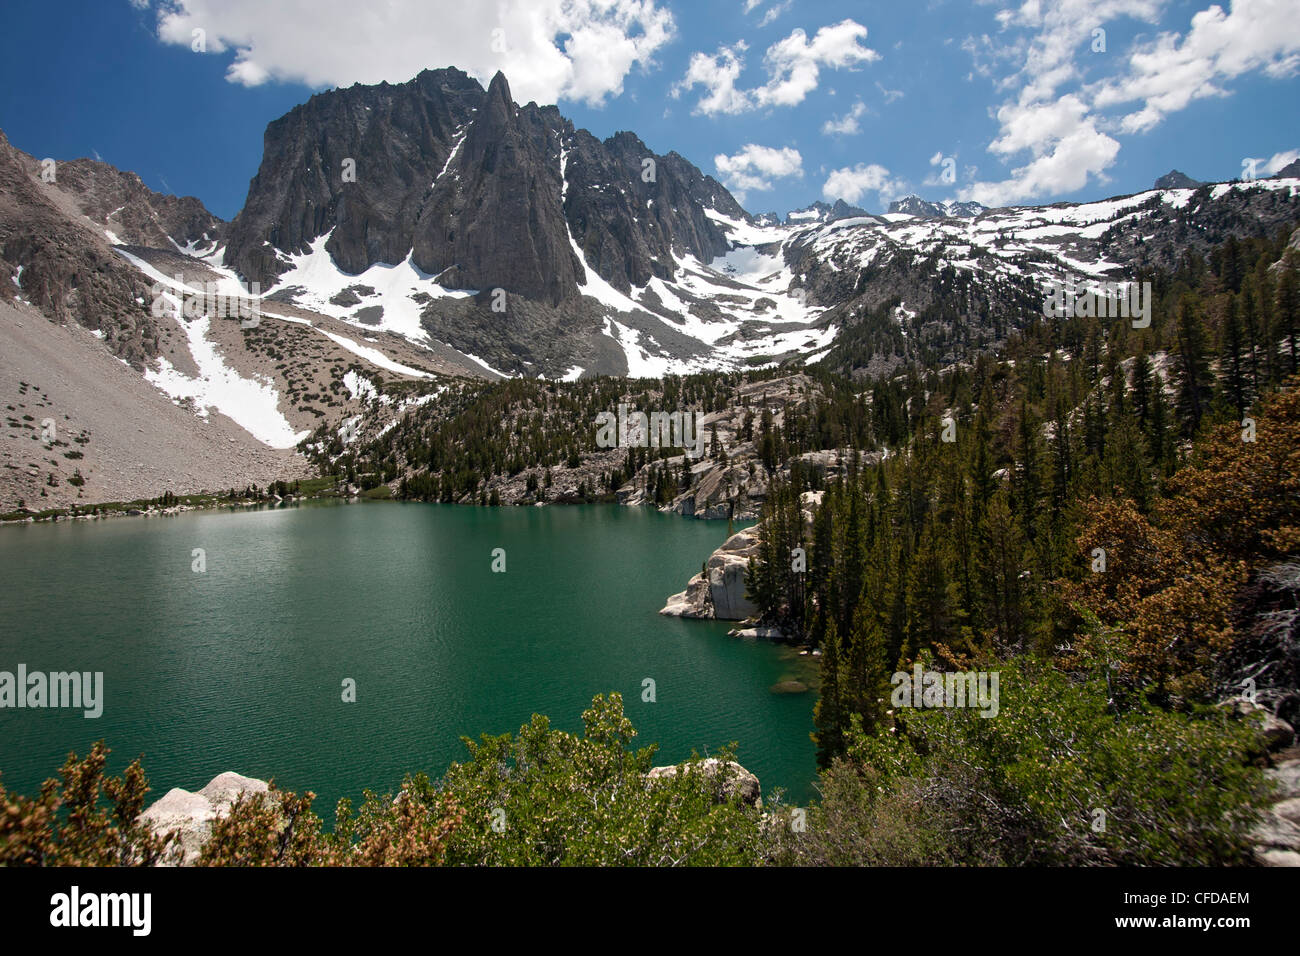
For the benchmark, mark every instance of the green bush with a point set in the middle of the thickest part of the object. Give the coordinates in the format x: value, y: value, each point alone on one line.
x: 1030, y: 786
x: 547, y: 797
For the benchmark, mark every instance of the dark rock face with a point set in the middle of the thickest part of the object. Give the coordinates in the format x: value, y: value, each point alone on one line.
x: 630, y: 209
x: 494, y: 219
x: 915, y: 206
x: 1175, y: 179
x: 469, y: 185
x: 398, y: 138
x: 138, y: 216
x: 818, y: 212
x: 68, y: 270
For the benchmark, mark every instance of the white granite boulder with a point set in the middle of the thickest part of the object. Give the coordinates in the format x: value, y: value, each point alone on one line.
x: 190, y: 815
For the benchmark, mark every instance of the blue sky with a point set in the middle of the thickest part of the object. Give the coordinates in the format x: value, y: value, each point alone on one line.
x: 1017, y: 102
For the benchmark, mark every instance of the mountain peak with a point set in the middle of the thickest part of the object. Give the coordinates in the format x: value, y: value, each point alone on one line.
x: 1176, y: 179
x: 818, y: 212
x: 499, y: 88
x: 916, y: 206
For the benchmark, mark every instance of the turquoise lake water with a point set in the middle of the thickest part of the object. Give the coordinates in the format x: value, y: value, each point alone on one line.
x: 241, y: 667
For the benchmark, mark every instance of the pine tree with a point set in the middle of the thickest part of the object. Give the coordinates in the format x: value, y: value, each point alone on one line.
x: 1192, y: 369
x: 1232, y: 376
x: 1250, y: 329
x: 866, y: 667
x: 829, y: 716
x: 1143, y: 386
x: 1286, y: 315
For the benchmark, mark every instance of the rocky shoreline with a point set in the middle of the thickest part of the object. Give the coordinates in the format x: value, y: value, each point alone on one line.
x: 717, y: 592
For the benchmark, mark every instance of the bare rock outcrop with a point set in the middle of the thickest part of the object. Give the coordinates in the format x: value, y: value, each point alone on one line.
x: 719, y: 590
x: 730, y: 779
x: 190, y: 815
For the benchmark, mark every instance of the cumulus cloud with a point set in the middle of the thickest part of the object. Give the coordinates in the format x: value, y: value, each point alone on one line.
x: 851, y: 183
x: 1062, y: 121
x: 718, y: 75
x: 1059, y: 131
x: 549, y: 49
x: 1274, y: 164
x: 755, y: 167
x: 793, y: 66
x: 848, y: 124
x: 1172, y: 71
x: 1067, y: 166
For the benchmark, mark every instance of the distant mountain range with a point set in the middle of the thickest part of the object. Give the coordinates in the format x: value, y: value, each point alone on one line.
x: 916, y: 206
x: 405, y: 233
x: 817, y: 212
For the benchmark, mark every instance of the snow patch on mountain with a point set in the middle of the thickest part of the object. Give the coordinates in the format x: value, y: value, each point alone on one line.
x: 252, y: 404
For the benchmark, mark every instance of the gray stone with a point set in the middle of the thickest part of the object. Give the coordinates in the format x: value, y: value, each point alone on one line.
x: 731, y: 778
x: 1287, y: 778
x: 190, y: 815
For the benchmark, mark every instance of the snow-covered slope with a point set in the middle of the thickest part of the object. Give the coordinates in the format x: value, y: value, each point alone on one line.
x: 774, y: 294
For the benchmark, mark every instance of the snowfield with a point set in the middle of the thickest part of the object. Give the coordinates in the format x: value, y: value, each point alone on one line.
x: 252, y: 404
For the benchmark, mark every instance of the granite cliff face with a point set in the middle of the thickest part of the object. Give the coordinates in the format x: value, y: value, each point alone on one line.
x: 480, y: 193
x: 119, y: 202
x: 51, y: 257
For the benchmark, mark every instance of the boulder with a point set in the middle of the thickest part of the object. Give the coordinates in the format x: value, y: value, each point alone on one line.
x: 730, y: 778
x: 1277, y: 835
x: 1287, y: 778
x: 719, y: 591
x: 758, y: 633
x: 1289, y: 810
x: 694, y: 602
x: 789, y: 687
x: 190, y: 815
x: 1277, y: 858
x: 1277, y: 732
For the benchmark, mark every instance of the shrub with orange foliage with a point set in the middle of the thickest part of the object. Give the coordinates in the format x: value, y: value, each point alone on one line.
x: 1166, y: 595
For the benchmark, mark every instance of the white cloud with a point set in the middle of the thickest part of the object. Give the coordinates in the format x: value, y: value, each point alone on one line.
x: 1058, y: 131
x: 1172, y: 71
x: 1065, y: 134
x: 846, y: 125
x: 775, y: 12
x: 718, y: 75
x: 754, y: 168
x: 793, y: 66
x: 1065, y: 167
x: 852, y: 183
x: 1270, y: 167
x: 889, y: 95
x: 794, y: 63
x: 553, y: 49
